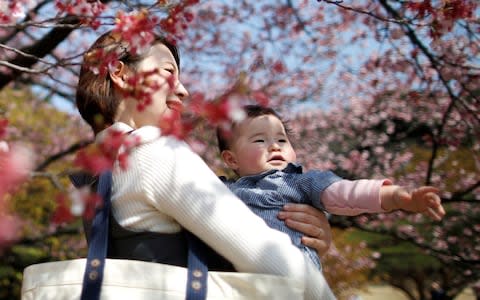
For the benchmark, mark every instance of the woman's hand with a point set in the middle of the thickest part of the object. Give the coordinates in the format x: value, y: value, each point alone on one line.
x: 311, y: 222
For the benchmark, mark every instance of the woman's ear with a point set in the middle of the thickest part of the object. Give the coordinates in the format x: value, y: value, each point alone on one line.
x: 229, y: 158
x: 119, y: 75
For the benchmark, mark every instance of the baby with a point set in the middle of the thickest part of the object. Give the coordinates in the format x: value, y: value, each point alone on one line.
x: 258, y: 150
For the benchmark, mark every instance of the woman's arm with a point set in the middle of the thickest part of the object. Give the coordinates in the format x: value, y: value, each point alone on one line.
x: 179, y: 184
x: 182, y: 186
x: 310, y: 221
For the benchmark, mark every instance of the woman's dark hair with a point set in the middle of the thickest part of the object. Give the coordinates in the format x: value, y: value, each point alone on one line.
x: 251, y: 111
x: 95, y: 98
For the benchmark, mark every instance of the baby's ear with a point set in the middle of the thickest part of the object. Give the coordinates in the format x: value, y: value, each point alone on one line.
x: 119, y: 75
x: 229, y: 158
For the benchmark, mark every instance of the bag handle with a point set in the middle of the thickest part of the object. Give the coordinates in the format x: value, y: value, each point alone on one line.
x: 197, y: 268
x: 97, y: 252
x: 97, y: 248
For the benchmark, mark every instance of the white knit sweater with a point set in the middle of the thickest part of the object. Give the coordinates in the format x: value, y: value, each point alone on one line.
x: 167, y: 186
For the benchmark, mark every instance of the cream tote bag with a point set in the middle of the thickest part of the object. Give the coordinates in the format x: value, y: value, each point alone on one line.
x: 132, y: 280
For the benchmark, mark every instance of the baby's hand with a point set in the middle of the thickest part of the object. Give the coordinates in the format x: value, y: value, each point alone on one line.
x: 423, y: 200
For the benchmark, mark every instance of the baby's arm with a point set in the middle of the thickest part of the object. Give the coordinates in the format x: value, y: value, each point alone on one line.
x: 353, y: 197
x: 350, y: 198
x: 423, y: 200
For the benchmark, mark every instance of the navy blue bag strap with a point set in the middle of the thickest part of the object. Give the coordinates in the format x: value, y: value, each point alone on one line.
x: 97, y: 248
x: 197, y: 269
x: 97, y: 252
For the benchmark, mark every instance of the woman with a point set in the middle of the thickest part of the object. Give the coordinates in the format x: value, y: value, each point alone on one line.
x: 166, y: 186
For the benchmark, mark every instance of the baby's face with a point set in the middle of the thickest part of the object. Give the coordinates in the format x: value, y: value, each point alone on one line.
x: 261, y: 144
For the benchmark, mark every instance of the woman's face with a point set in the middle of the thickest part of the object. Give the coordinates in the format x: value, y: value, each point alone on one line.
x: 166, y: 96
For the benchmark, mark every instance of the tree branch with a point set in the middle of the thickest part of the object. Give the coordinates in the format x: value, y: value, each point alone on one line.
x: 19, y: 26
x: 43, y: 47
x: 61, y: 154
x: 299, y: 20
x: 349, y: 222
x: 436, y: 66
x: 461, y: 194
x: 52, y: 177
x: 368, y: 13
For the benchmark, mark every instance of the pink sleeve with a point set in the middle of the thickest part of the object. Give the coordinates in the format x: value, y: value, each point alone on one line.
x: 350, y: 198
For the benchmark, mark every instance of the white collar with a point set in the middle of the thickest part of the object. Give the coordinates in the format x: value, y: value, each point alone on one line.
x: 143, y: 134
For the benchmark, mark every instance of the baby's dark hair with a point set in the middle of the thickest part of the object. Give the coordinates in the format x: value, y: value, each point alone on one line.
x: 251, y: 111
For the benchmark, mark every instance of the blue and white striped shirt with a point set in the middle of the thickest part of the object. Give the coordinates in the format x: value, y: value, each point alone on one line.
x: 268, y: 192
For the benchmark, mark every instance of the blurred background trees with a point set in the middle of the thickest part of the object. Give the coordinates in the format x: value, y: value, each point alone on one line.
x: 371, y: 88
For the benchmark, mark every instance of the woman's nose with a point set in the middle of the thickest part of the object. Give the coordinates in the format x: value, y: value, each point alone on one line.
x: 180, y: 91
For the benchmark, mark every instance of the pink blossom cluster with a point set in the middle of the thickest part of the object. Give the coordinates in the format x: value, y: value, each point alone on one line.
x: 173, y: 124
x: 136, y: 28
x: 178, y: 18
x: 443, y: 13
x: 89, y: 11
x: 104, y: 61
x: 76, y: 203
x: 112, y: 145
x: 16, y: 162
x: 143, y: 86
x: 14, y: 10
